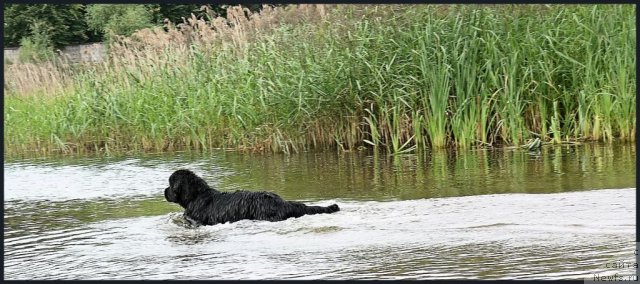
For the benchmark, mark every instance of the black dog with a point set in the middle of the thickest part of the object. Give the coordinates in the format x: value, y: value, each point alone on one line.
x: 206, y: 206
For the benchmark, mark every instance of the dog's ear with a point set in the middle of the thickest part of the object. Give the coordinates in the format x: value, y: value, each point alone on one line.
x: 186, y: 185
x: 175, y: 186
x: 179, y: 178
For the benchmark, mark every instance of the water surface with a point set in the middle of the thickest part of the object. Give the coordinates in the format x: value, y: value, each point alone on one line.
x: 563, y: 213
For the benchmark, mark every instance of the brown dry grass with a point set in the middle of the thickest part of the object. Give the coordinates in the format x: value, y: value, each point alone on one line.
x: 160, y: 47
x: 45, y: 78
x: 172, y: 45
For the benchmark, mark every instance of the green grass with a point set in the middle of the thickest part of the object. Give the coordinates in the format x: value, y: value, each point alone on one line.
x: 414, y: 78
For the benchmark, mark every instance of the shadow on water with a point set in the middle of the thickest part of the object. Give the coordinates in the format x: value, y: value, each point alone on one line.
x: 456, y: 214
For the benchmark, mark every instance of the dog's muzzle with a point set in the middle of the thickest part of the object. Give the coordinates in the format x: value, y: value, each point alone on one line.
x: 169, y: 196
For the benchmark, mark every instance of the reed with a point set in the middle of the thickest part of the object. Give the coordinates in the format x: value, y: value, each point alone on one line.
x: 399, y: 78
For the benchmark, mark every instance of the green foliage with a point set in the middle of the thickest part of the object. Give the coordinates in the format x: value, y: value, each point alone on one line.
x: 413, y: 79
x: 38, y: 47
x: 79, y: 23
x: 119, y: 19
x: 65, y: 23
x: 173, y: 12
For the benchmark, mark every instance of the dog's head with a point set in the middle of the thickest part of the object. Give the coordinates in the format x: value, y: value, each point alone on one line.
x: 184, y: 187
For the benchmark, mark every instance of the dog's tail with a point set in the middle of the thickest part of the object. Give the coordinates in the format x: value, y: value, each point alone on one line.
x: 321, y: 209
x: 333, y: 208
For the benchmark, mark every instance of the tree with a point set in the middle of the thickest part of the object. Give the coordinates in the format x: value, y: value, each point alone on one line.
x: 68, y: 24
x: 172, y: 12
x: 119, y: 19
x: 65, y: 23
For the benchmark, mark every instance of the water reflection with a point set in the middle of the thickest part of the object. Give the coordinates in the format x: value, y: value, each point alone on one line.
x: 437, y: 174
x: 313, y: 176
x: 441, y: 215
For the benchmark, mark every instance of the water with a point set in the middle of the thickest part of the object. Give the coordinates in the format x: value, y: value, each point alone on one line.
x: 565, y: 213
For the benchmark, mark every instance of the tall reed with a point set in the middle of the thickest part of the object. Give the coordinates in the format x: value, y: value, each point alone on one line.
x: 399, y: 78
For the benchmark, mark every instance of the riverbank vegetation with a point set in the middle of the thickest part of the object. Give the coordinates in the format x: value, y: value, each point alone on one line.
x: 68, y: 24
x: 398, y: 78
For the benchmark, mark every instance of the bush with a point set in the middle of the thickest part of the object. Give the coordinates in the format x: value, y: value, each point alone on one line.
x: 118, y: 19
x: 38, y: 47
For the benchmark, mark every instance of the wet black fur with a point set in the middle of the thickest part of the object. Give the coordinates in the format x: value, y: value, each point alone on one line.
x: 206, y: 206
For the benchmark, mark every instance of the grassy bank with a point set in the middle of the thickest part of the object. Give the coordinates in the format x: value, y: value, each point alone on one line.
x: 397, y: 78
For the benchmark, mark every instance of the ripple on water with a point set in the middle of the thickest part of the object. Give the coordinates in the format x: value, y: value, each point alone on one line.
x: 50, y: 182
x: 518, y: 237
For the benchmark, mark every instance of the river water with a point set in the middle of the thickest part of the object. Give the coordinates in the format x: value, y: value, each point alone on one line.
x: 567, y: 212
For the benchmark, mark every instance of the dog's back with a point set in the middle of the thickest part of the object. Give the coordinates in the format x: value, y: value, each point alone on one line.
x: 222, y: 207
